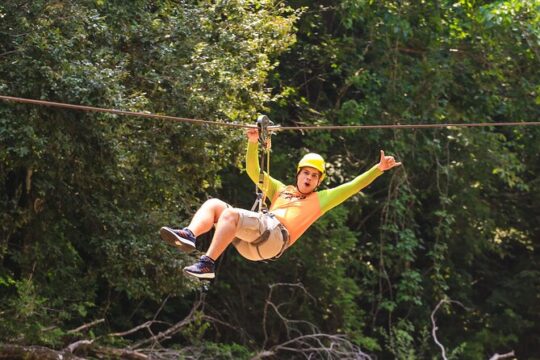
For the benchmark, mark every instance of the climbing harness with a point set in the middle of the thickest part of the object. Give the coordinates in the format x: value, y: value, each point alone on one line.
x: 264, y: 237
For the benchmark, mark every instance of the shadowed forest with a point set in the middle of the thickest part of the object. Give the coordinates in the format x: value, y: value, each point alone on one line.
x: 437, y: 259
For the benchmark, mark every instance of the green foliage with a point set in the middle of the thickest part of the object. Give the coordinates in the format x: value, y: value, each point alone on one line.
x: 433, y: 228
x: 401, y: 341
x: 195, y: 331
x: 221, y: 351
x: 82, y: 194
x: 28, y: 317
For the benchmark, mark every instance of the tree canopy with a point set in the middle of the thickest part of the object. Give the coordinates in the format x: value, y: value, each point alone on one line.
x: 455, y: 228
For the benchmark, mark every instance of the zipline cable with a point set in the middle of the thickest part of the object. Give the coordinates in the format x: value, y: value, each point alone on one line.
x: 272, y: 128
x: 407, y: 126
x: 116, y: 112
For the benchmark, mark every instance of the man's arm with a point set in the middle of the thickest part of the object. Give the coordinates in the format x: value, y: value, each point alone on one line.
x: 332, y: 197
x: 270, y: 185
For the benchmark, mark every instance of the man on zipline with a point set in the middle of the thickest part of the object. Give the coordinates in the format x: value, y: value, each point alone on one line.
x: 261, y: 236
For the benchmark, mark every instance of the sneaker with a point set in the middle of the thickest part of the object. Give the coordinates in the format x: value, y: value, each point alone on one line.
x: 203, y: 269
x: 183, y: 239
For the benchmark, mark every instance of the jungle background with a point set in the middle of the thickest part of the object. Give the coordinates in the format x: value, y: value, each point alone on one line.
x: 455, y: 229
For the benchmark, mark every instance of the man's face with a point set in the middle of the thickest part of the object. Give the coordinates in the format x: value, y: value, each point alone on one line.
x: 307, y: 180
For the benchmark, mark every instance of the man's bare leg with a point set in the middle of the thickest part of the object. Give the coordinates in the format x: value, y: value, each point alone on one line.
x: 207, y: 215
x: 224, y: 234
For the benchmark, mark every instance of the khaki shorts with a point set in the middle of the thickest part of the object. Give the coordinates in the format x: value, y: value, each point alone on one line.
x: 251, y: 226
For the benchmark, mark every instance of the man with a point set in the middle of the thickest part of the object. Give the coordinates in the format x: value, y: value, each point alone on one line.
x: 259, y: 236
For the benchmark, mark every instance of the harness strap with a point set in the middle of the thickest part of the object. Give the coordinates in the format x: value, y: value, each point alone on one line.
x: 264, y: 237
x: 263, y: 122
x: 261, y: 239
x: 285, y: 237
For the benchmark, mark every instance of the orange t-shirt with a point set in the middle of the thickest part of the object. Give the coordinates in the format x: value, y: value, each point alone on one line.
x: 297, y: 211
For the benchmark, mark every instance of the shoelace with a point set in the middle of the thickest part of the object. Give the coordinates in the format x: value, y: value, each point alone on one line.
x: 184, y: 234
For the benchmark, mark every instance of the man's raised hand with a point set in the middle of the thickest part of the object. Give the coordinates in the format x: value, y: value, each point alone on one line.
x: 387, y: 162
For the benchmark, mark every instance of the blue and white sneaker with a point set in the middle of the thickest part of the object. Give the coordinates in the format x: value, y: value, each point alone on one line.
x: 183, y: 239
x: 202, y: 269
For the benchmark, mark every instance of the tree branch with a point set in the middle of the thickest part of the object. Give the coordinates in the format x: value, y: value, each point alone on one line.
x: 311, y: 342
x: 19, y: 352
x: 434, y: 324
x: 170, y: 331
x: 502, y: 356
x: 85, y: 326
x: 76, y: 345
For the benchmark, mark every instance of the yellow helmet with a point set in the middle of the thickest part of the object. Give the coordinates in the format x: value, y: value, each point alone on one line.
x: 312, y: 160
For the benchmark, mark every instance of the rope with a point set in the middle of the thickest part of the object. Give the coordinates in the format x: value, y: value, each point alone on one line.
x: 263, y: 124
x: 271, y: 128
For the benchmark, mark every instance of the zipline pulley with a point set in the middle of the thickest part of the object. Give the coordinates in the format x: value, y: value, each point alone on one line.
x: 263, y: 122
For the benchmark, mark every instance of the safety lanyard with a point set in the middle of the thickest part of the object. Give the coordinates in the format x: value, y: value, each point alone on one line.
x: 263, y: 122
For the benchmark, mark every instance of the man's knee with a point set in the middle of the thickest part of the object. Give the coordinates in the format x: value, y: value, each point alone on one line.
x: 216, y: 204
x: 230, y: 215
